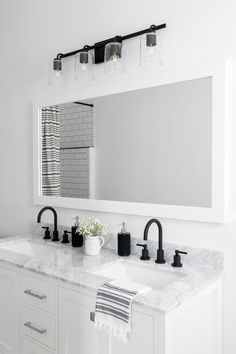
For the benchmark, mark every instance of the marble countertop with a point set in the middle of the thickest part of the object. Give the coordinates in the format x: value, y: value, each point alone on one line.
x: 201, y: 268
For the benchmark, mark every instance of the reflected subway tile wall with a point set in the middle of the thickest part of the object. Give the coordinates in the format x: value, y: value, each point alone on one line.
x: 76, y: 137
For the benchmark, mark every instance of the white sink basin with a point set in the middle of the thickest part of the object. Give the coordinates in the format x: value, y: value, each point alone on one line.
x: 28, y: 248
x: 138, y: 273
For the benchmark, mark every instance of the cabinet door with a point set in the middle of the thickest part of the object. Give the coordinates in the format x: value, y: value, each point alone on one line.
x: 76, y: 332
x: 9, y: 312
x: 140, y: 341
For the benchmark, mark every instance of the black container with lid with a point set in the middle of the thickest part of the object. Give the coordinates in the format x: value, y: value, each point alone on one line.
x: 123, y: 242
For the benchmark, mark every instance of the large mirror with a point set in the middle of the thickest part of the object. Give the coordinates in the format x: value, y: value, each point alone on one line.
x: 146, y: 146
x: 142, y: 151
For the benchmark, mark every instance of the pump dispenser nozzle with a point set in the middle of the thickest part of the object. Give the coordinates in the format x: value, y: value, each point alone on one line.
x: 76, y: 221
x: 123, y: 230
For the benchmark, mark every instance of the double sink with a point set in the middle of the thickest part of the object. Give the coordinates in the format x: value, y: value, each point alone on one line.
x: 145, y: 273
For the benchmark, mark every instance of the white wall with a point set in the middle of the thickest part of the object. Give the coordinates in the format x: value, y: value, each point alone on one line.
x: 154, y: 145
x: 32, y: 32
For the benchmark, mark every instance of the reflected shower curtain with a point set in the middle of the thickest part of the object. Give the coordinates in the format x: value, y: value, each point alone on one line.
x: 50, y: 151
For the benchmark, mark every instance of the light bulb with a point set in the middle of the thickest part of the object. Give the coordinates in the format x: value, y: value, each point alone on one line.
x: 151, y: 50
x: 84, y: 67
x: 114, y: 58
x: 57, y: 74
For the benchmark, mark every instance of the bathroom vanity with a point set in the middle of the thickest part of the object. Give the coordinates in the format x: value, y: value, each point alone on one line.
x: 158, y: 150
x: 47, y: 301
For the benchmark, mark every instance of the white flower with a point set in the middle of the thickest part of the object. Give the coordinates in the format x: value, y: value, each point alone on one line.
x: 91, y: 227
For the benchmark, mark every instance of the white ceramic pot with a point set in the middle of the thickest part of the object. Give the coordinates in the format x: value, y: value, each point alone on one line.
x: 93, y: 245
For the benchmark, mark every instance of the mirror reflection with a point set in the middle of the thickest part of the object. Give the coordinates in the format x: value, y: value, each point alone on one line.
x: 147, y: 146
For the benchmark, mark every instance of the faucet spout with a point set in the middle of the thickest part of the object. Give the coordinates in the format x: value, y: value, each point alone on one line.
x: 160, y: 252
x: 55, y: 232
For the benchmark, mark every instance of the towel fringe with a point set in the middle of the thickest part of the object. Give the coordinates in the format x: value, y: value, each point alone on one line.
x: 117, y: 332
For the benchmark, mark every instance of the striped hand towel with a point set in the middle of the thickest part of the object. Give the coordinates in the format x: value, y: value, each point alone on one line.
x: 113, y: 307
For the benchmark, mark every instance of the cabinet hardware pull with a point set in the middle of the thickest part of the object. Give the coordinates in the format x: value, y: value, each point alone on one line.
x: 92, y: 316
x: 40, y: 297
x: 38, y: 330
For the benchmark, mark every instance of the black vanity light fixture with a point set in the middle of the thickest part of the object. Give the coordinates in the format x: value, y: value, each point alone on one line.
x: 108, y: 51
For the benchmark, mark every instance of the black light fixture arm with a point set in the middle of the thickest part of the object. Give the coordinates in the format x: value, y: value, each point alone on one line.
x: 69, y: 54
x: 100, y: 45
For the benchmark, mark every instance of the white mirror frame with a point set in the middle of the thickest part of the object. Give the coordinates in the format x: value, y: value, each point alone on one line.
x: 217, y: 213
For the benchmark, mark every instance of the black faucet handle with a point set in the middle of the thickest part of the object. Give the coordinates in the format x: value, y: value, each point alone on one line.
x: 145, y: 254
x: 177, y: 259
x: 177, y: 252
x: 47, y: 233
x: 144, y: 245
x: 65, y: 238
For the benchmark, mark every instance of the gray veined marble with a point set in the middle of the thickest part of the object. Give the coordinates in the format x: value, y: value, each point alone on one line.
x: 201, y: 267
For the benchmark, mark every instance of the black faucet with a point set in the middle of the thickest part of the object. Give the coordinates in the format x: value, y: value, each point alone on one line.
x: 160, y: 252
x: 55, y: 232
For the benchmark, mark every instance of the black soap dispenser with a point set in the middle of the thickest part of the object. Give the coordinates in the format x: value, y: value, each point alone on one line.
x: 77, y: 240
x: 123, y: 242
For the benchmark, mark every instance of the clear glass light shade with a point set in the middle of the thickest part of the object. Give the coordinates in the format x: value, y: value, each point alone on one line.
x: 56, y: 73
x: 150, y: 50
x: 113, y: 58
x: 84, y: 66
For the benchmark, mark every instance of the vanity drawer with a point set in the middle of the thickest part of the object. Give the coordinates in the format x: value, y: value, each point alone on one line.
x: 39, y: 326
x: 38, y: 293
x: 28, y: 347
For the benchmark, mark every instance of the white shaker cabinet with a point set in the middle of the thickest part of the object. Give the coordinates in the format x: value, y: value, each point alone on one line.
x: 76, y: 332
x: 42, y: 315
x: 141, y: 339
x: 194, y: 327
x: 9, y: 312
x: 78, y: 336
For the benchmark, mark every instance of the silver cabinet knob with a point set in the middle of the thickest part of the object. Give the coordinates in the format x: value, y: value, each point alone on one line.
x: 92, y: 316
